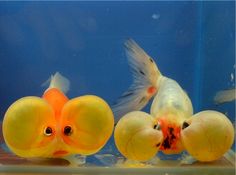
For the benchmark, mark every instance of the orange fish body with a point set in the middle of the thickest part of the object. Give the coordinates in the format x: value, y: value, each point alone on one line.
x: 56, y: 99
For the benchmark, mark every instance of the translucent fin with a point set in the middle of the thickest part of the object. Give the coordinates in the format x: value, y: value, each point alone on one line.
x: 76, y: 159
x: 146, y: 77
x: 225, y: 96
x: 58, y: 81
x: 5, y: 148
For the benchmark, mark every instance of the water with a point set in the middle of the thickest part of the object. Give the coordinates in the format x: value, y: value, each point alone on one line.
x: 191, y: 42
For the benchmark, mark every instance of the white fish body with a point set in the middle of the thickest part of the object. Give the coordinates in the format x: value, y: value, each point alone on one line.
x: 148, y: 81
x: 171, y: 98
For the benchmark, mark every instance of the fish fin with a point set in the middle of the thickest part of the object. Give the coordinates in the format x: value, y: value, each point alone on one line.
x: 145, y: 80
x: 47, y: 82
x: 58, y: 81
x: 5, y: 148
x: 225, y: 96
x: 76, y: 159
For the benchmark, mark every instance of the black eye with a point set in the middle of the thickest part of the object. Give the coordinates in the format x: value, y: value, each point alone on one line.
x: 68, y: 130
x: 185, y: 125
x: 157, y: 126
x: 48, y: 131
x: 157, y: 145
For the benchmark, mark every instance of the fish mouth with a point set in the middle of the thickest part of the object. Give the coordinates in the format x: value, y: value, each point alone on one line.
x: 60, y: 153
x: 169, y: 140
x: 171, y: 133
x: 171, y: 143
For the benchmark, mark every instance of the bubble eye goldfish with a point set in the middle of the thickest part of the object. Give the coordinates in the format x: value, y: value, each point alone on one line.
x: 54, y: 126
x: 170, y: 107
x: 171, y: 110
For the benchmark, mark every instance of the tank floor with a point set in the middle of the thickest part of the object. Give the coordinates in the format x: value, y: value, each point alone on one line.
x: 13, y: 165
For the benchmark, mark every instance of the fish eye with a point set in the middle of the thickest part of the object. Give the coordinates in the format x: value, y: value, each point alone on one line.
x: 157, y: 126
x: 68, y: 130
x: 185, y: 125
x: 48, y: 131
x: 157, y: 145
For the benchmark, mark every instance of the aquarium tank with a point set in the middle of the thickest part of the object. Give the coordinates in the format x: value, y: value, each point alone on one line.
x: 85, y: 42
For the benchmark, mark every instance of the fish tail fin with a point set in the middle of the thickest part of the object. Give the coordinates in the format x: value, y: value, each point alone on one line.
x: 146, y: 78
x: 59, y: 82
x: 225, y: 96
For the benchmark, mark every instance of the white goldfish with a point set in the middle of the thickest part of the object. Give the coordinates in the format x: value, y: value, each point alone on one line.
x: 171, y: 105
x: 171, y: 113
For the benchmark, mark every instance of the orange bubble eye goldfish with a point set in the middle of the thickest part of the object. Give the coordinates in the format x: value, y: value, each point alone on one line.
x: 171, y: 126
x: 54, y: 126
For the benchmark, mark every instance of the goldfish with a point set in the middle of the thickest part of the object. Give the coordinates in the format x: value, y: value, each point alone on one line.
x: 55, y: 126
x: 171, y: 109
x: 171, y: 105
x: 224, y: 96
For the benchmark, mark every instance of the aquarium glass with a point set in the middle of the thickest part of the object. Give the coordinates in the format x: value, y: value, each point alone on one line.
x: 192, y: 42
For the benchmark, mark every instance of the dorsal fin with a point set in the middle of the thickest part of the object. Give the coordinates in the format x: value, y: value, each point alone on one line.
x: 59, y: 82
